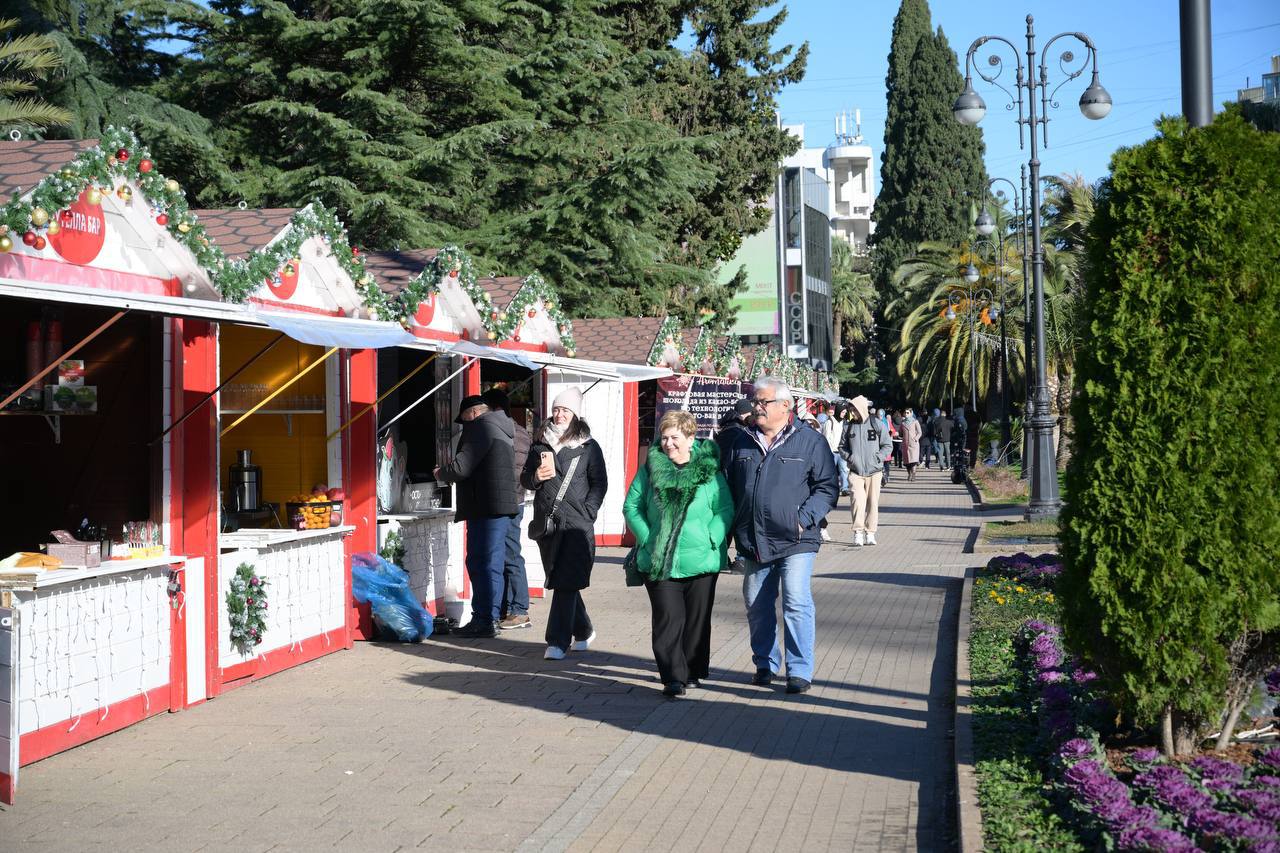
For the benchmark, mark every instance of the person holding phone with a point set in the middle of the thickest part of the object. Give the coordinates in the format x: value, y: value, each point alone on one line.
x: 566, y: 472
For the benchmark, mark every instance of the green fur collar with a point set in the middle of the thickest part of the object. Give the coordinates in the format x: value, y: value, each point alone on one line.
x: 680, y: 483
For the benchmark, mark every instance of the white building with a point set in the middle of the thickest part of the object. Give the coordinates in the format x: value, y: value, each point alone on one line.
x: 848, y: 168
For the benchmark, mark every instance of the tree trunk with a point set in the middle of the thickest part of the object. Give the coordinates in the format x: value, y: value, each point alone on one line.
x: 1179, y: 734
x: 1229, y: 727
x: 1066, y: 424
x: 1166, y: 733
x: 837, y: 338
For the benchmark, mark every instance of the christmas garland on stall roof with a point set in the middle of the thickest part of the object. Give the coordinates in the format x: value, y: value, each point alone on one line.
x: 246, y: 608
x: 725, y: 355
x: 701, y: 353
x: 669, y: 334
x: 499, y: 324
x: 118, y: 161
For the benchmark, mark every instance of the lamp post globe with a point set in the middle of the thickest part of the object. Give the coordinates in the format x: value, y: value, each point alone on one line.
x: 969, y: 107
x: 1095, y: 101
x: 985, y: 224
x: 971, y: 274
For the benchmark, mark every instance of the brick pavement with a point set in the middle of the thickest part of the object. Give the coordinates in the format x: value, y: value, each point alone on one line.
x: 455, y: 745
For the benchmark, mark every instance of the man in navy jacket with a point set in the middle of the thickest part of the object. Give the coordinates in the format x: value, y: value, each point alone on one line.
x: 784, y: 483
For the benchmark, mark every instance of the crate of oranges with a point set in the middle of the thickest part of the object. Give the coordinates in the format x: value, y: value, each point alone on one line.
x: 315, y: 511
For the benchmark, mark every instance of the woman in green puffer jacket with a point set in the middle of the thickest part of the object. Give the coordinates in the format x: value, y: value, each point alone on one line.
x: 680, y: 511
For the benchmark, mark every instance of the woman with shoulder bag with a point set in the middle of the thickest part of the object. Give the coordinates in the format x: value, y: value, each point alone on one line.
x: 680, y: 510
x: 566, y: 472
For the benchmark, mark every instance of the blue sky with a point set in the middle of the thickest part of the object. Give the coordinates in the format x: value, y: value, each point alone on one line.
x: 1138, y: 53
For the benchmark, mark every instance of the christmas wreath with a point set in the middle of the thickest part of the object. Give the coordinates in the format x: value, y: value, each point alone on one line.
x: 247, y: 608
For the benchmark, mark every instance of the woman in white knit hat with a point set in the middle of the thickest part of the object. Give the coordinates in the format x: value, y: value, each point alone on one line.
x: 565, y: 470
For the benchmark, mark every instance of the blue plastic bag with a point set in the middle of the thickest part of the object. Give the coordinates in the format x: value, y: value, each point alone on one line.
x: 385, y: 588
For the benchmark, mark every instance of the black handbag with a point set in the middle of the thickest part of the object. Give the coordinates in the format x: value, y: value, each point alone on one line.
x: 551, y: 521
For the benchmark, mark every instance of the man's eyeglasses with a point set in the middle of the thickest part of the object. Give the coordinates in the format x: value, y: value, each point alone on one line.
x: 763, y: 404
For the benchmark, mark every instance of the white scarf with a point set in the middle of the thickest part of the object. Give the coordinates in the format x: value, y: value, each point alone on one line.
x: 554, y: 435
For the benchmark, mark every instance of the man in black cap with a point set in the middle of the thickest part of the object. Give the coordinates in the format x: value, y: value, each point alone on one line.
x: 486, y: 501
x: 514, y: 609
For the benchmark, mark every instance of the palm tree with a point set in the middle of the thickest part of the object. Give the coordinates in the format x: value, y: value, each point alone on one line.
x: 23, y: 57
x: 934, y: 351
x: 853, y: 298
x: 1069, y: 205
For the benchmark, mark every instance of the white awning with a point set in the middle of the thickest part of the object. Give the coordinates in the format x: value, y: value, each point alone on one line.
x: 321, y: 330
x: 172, y: 306
x: 510, y: 356
x: 600, y: 369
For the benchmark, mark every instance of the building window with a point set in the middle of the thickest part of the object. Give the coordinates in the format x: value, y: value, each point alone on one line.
x: 817, y: 244
x: 791, y: 207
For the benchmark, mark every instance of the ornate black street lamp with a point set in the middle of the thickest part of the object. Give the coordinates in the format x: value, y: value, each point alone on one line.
x: 969, y: 108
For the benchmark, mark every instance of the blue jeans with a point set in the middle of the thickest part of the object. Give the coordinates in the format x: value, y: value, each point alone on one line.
x: 943, y: 449
x: 843, y: 468
x: 760, y: 591
x: 515, y: 581
x: 486, y: 544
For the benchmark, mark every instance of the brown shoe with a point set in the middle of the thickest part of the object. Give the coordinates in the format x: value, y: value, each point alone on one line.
x: 515, y: 620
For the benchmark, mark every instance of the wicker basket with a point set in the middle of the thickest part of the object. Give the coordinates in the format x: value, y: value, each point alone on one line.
x: 317, y: 514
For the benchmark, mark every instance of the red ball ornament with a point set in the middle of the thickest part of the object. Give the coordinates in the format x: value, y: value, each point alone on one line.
x: 39, y: 244
x: 145, y: 165
x: 532, y: 313
x: 516, y: 337
x: 162, y: 219
x: 493, y: 315
x: 122, y: 155
x: 355, y: 252
x: 29, y: 238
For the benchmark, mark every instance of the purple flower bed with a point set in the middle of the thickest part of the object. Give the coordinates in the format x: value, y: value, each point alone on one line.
x: 1039, y: 571
x: 1210, y: 804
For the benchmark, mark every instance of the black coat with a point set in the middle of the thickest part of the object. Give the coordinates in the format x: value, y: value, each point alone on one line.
x: 482, y: 468
x: 567, y: 557
x: 782, y: 496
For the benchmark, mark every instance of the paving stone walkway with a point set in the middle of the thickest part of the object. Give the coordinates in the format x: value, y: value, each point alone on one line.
x: 457, y: 745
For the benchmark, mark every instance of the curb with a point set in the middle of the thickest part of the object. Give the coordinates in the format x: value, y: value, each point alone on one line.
x: 982, y: 545
x: 968, y: 814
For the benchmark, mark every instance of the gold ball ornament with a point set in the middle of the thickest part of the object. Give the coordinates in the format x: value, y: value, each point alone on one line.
x: 53, y: 228
x: 124, y: 193
x: 171, y: 185
x: 39, y: 216
x: 184, y: 226
x: 492, y: 336
x: 570, y: 353
x: 93, y: 196
x: 6, y: 243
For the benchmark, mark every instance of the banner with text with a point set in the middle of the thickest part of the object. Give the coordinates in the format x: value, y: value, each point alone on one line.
x: 705, y: 397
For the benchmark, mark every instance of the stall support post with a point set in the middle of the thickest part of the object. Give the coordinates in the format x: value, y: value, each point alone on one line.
x: 359, y: 475
x: 471, y: 379
x: 630, y: 439
x: 195, y: 486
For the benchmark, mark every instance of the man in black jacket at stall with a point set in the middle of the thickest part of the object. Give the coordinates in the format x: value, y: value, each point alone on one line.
x: 486, y: 501
x: 783, y: 480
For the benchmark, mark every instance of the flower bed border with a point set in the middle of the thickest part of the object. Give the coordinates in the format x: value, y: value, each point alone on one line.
x: 968, y: 812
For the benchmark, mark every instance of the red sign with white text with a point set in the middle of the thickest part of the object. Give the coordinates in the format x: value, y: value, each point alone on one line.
x: 81, y: 231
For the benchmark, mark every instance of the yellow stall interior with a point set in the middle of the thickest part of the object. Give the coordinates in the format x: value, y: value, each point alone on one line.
x: 287, y: 436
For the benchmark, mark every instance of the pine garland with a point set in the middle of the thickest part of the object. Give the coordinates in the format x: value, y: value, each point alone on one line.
x: 669, y: 334
x: 731, y: 350
x: 246, y: 608
x: 701, y: 353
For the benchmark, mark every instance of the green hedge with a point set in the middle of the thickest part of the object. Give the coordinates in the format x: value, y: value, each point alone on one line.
x: 1172, y: 534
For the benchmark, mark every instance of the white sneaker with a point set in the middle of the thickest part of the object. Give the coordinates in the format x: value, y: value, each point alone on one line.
x: 553, y: 653
x: 826, y: 537
x: 582, y: 645
x: 871, y: 538
x: 857, y: 538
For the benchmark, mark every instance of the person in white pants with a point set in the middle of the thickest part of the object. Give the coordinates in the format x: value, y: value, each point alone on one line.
x: 865, y: 446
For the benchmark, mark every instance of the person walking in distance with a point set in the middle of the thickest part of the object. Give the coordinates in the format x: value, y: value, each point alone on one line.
x: 514, y: 610
x: 784, y: 483
x: 486, y: 501
x: 895, y: 420
x: 911, y: 435
x: 833, y: 431
x: 926, y: 439
x: 887, y: 425
x: 866, y: 447
x: 959, y: 451
x: 566, y: 472
x: 942, y: 433
x: 679, y: 510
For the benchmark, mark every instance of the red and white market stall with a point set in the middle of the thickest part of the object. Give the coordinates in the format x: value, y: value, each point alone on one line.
x: 296, y: 489
x: 85, y: 258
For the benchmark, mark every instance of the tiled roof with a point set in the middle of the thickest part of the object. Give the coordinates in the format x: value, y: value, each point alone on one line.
x: 239, y: 232
x: 393, y: 269
x: 25, y: 162
x: 624, y: 340
x: 501, y: 289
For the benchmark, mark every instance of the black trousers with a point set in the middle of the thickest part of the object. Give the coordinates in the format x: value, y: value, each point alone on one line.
x: 567, y: 620
x: 682, y: 626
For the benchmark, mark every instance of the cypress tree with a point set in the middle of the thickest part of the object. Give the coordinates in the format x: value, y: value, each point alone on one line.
x: 1172, y: 531
x: 931, y: 165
